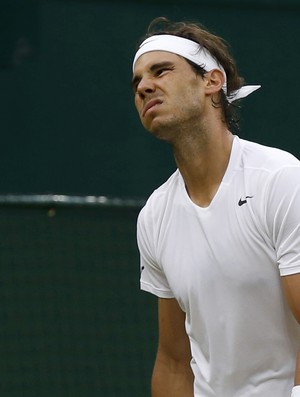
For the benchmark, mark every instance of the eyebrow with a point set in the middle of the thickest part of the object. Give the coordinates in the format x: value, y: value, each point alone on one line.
x: 156, y: 66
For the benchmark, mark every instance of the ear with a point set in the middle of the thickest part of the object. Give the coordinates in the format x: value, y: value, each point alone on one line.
x: 215, y: 80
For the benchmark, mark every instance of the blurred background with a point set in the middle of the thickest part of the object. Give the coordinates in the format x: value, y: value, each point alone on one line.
x: 76, y: 167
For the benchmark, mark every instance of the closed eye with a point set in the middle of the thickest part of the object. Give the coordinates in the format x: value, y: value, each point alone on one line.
x: 135, y: 83
x: 161, y: 71
x: 157, y: 70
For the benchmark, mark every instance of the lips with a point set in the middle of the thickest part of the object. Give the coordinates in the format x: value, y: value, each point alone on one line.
x: 150, y: 105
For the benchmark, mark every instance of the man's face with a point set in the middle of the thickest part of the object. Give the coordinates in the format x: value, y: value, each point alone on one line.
x: 167, y: 90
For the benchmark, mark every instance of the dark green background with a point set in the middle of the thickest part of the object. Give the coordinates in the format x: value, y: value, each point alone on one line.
x: 73, y: 322
x: 68, y: 124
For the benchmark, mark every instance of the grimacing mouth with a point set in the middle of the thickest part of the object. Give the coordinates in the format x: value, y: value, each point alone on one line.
x: 150, y: 104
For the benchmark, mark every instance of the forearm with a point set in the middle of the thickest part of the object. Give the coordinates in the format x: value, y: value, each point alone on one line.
x: 172, y: 379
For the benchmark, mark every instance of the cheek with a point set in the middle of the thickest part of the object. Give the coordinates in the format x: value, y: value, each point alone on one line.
x: 189, y: 93
x: 189, y: 101
x: 136, y: 103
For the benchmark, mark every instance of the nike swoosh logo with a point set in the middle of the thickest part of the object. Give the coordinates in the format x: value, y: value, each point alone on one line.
x: 242, y: 202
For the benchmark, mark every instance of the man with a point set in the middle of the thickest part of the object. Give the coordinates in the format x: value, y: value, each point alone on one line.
x: 220, y: 240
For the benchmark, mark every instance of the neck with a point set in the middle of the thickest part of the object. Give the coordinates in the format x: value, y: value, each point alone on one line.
x: 202, y: 159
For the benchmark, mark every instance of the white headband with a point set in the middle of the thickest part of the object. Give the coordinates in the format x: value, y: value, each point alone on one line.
x: 193, y: 52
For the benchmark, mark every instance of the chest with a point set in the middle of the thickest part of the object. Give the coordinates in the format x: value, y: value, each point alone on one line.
x: 225, y: 246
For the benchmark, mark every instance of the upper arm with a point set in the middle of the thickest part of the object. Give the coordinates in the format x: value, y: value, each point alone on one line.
x: 173, y: 340
x: 291, y: 287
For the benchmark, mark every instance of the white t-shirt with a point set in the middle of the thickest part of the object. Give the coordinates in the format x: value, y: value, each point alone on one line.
x: 223, y: 265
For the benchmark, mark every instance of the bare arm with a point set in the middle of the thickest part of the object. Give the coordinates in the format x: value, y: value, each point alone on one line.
x: 172, y: 374
x: 291, y: 286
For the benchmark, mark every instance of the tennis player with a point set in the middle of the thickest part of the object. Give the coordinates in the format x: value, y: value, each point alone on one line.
x: 220, y: 240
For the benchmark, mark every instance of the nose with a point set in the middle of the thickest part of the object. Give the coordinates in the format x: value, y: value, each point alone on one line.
x: 145, y: 86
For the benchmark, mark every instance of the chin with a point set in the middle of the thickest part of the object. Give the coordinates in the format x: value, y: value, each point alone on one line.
x: 161, y: 129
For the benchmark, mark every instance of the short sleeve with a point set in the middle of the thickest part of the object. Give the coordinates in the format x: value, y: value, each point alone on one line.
x: 283, y: 218
x: 152, y: 279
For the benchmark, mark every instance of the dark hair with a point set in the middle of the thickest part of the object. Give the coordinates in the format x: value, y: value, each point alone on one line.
x: 217, y: 47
